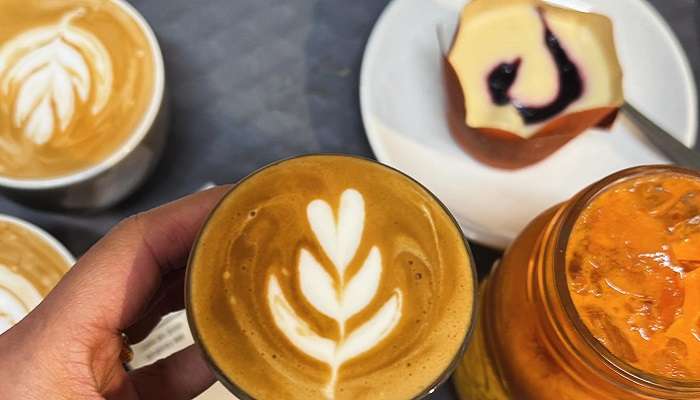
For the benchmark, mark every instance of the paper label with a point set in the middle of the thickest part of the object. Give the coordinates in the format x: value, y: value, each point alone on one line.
x: 171, y: 335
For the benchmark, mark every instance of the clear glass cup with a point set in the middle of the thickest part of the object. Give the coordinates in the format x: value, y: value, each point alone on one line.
x: 229, y: 382
x: 530, y: 342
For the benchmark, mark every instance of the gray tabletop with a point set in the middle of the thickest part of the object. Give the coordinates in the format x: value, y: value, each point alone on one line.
x: 254, y: 81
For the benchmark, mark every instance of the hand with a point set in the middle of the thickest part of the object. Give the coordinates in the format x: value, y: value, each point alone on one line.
x: 69, y: 346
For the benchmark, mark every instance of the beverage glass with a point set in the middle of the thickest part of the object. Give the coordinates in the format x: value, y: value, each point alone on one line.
x: 201, y: 313
x: 531, y: 342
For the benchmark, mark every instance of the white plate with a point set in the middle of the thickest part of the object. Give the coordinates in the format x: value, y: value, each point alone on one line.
x: 403, y: 108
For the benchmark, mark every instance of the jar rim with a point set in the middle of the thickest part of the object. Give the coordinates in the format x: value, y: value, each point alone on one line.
x: 569, y: 217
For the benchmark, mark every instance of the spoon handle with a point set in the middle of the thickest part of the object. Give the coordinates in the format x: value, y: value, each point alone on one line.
x: 663, y: 141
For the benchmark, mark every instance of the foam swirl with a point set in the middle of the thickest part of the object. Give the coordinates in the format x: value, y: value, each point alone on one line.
x: 17, y: 298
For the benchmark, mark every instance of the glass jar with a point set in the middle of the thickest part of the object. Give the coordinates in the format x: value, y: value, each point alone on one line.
x: 530, y: 342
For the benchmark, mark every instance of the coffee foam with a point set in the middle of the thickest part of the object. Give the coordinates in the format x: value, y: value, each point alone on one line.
x: 17, y: 298
x: 76, y: 78
x: 29, y: 268
x: 330, y: 277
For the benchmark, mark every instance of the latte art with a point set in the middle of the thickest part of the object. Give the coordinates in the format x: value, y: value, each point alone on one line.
x: 76, y: 79
x: 334, y: 298
x: 46, y: 69
x: 330, y: 277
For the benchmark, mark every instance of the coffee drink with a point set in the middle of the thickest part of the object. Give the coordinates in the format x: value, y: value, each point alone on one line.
x: 330, y: 277
x: 76, y: 79
x: 31, y: 263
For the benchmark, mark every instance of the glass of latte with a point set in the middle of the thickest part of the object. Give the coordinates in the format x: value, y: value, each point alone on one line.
x: 82, y: 119
x: 330, y: 277
x: 31, y: 264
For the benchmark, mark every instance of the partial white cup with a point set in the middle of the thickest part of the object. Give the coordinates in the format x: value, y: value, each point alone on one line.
x: 45, y: 237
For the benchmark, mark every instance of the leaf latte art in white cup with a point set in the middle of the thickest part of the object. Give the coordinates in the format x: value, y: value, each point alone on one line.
x: 82, y: 116
x: 76, y: 78
x: 330, y: 277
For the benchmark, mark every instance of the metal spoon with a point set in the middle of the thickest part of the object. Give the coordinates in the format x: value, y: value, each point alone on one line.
x: 662, y: 140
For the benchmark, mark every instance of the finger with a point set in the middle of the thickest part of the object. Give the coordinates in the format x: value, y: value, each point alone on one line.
x: 115, y: 280
x: 169, y: 298
x: 183, y: 375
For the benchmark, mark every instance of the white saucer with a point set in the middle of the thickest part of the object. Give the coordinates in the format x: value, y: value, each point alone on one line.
x: 403, y: 107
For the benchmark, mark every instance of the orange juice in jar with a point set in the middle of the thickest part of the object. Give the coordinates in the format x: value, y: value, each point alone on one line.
x: 598, y: 298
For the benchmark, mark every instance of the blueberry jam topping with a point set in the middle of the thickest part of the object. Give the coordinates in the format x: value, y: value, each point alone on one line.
x: 503, y: 76
x: 501, y: 79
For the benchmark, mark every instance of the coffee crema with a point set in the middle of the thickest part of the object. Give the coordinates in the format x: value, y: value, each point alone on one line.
x: 330, y: 277
x: 76, y: 78
x: 29, y: 268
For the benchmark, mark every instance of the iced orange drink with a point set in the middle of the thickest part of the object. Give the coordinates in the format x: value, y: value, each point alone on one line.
x: 632, y: 266
x: 598, y: 298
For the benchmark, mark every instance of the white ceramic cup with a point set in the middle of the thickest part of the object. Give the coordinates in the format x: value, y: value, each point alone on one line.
x: 113, y: 179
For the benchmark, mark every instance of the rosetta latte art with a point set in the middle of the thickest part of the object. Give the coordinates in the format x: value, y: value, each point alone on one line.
x: 50, y: 72
x: 339, y: 300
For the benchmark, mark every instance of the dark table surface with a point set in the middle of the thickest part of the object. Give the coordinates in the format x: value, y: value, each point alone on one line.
x: 253, y: 81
